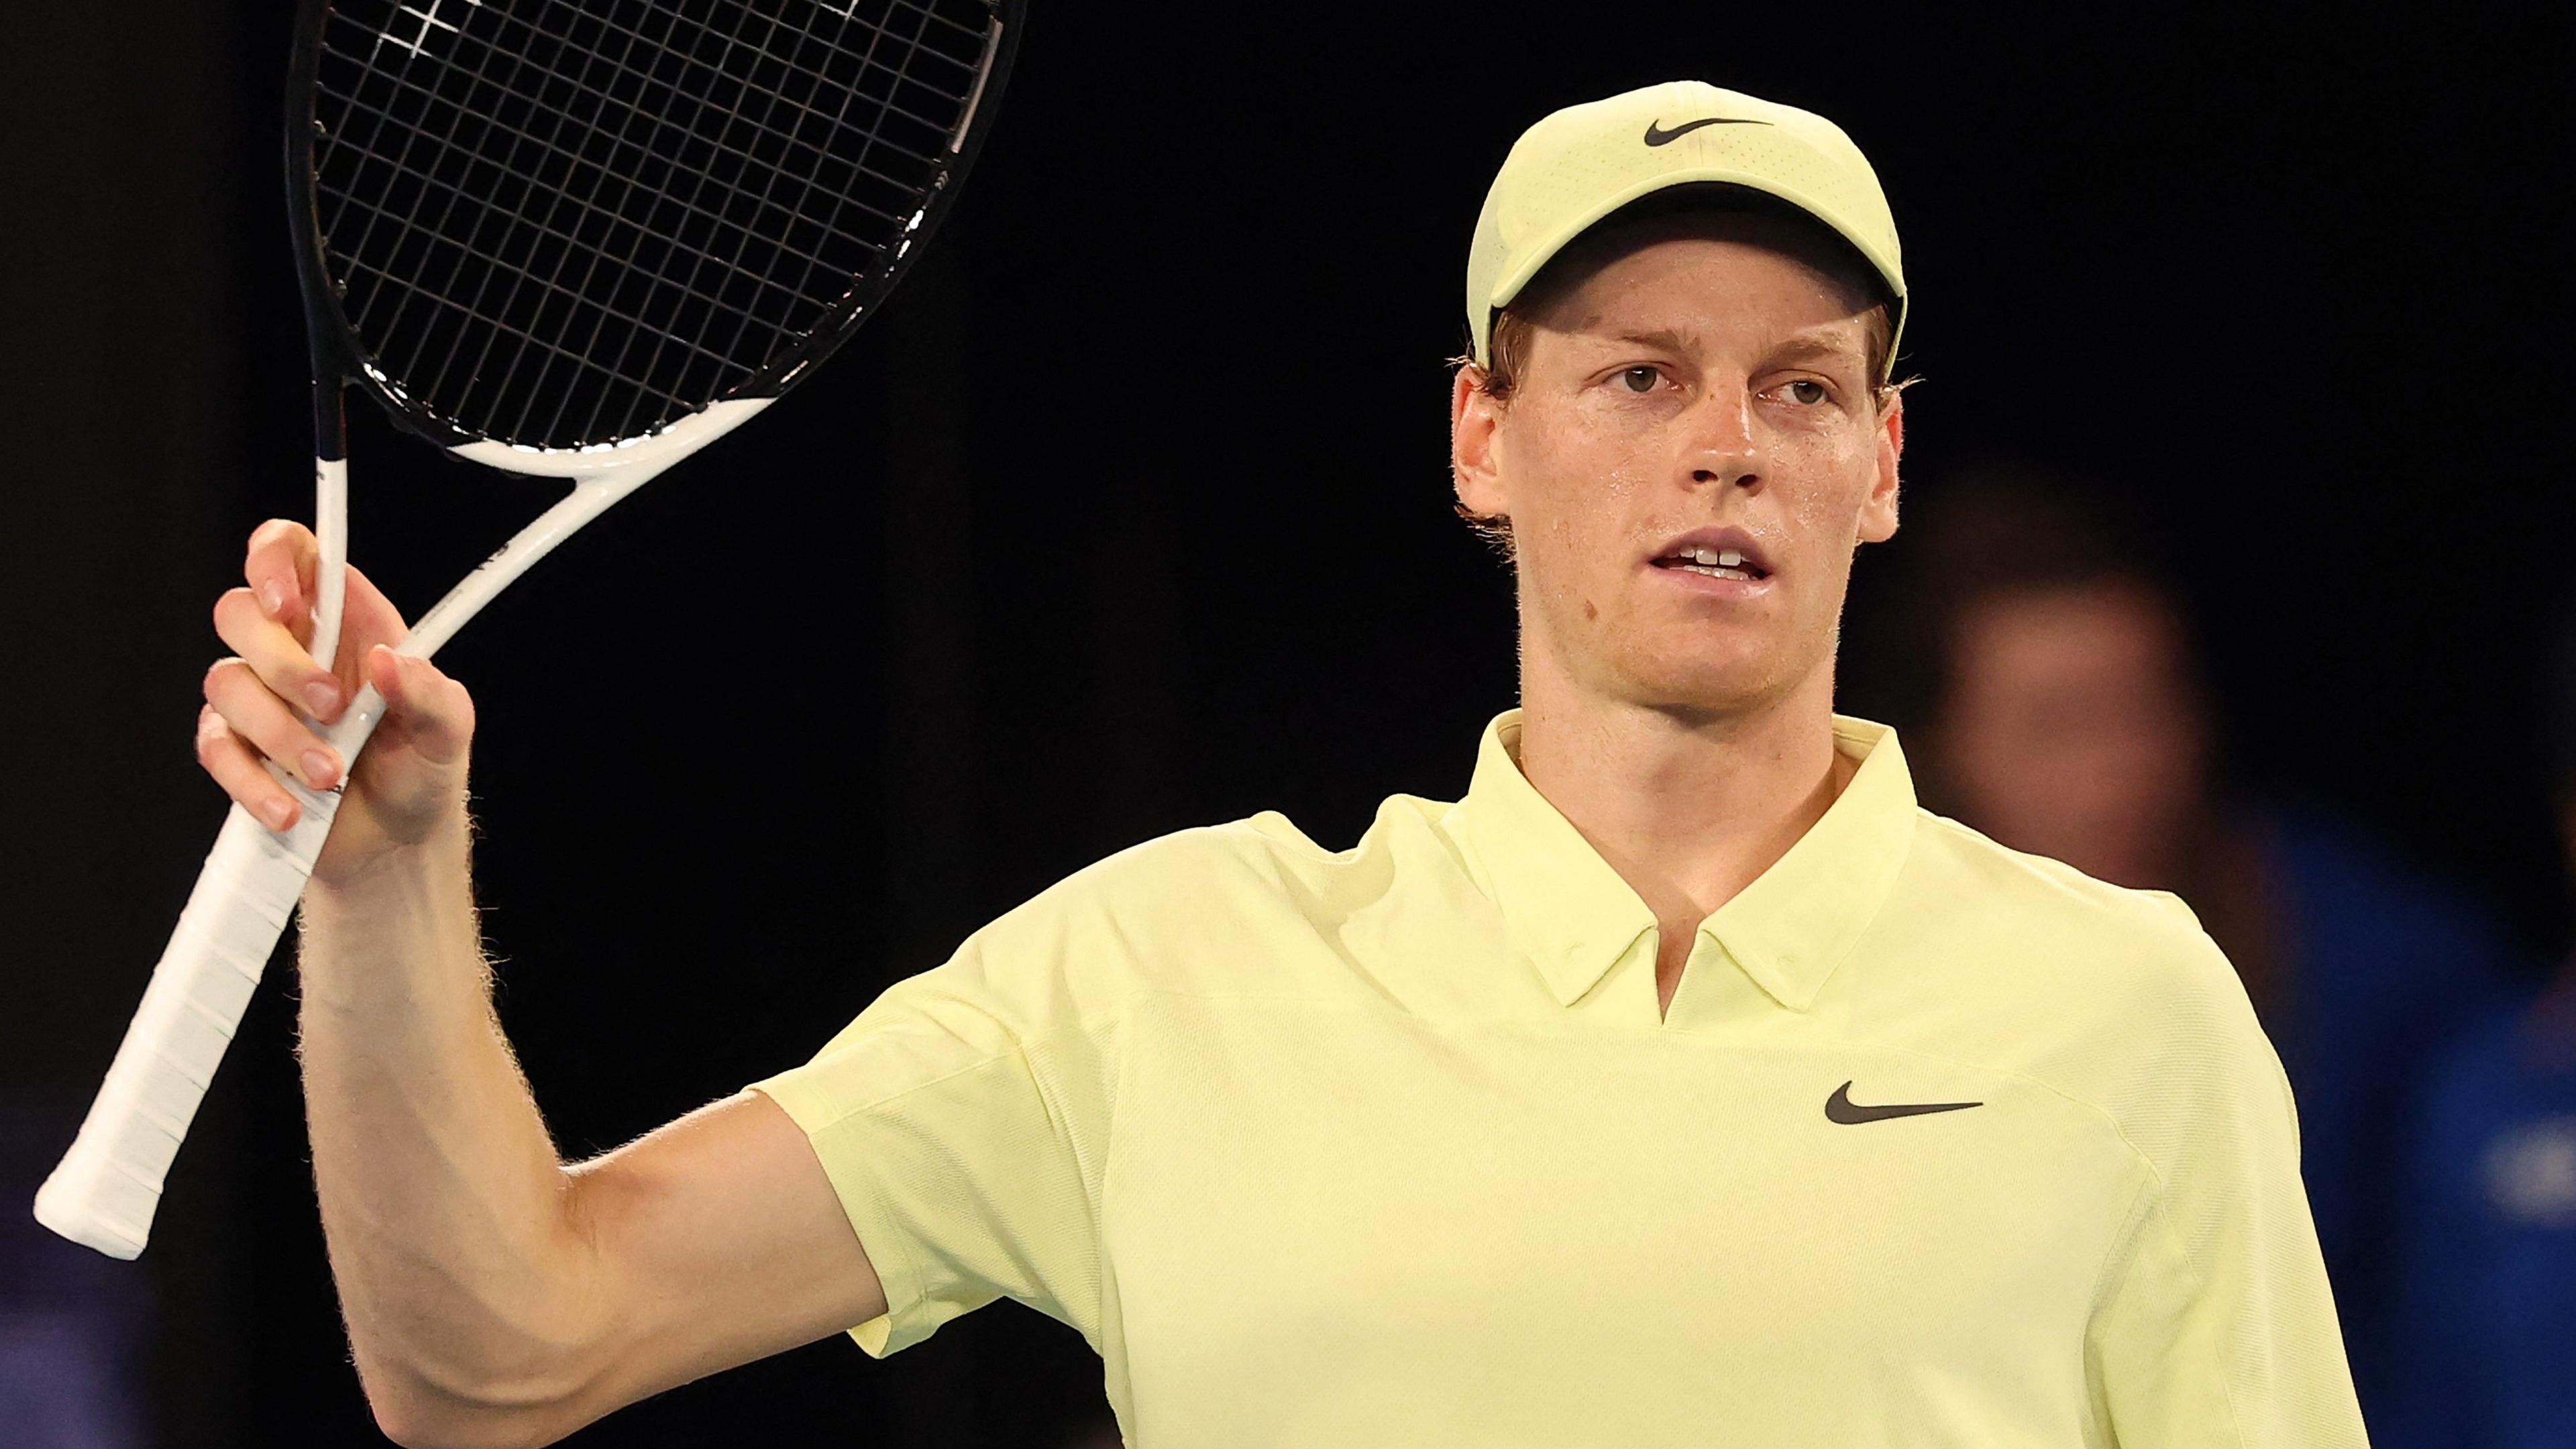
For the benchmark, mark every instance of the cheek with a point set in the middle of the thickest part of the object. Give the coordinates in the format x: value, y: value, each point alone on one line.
x: 1576, y: 486
x: 1829, y: 473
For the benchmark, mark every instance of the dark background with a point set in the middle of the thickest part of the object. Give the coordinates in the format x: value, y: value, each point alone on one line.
x: 1130, y: 512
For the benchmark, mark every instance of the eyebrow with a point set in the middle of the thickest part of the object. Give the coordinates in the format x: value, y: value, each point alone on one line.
x: 1796, y: 349
x: 1803, y: 349
x: 1664, y: 339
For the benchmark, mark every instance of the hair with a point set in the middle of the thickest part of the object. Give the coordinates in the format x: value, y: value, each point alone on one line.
x: 1810, y: 240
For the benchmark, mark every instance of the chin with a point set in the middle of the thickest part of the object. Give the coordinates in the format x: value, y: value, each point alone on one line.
x: 1717, y: 686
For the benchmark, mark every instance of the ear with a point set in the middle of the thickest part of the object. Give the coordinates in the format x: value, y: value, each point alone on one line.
x: 1473, y: 417
x: 1878, y: 510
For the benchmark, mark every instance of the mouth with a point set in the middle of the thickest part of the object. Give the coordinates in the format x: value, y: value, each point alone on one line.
x: 1715, y: 563
x: 1727, y: 552
x: 1726, y: 562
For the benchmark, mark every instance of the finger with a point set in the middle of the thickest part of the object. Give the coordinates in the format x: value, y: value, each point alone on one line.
x: 236, y: 767
x: 278, y: 569
x: 262, y: 720
x: 433, y: 712
x: 276, y: 655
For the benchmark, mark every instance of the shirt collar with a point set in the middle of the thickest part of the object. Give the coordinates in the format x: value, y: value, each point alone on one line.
x: 1574, y: 916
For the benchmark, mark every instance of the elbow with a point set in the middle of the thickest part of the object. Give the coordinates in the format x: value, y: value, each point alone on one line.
x: 420, y: 1414
x: 416, y: 1425
x: 412, y: 1427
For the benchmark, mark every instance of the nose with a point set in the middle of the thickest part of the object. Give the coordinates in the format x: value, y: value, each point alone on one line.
x: 1721, y: 445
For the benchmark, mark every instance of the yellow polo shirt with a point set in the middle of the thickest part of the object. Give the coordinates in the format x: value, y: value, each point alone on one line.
x: 1389, y: 1146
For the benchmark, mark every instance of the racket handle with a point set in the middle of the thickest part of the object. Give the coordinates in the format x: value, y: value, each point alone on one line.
x: 104, y: 1192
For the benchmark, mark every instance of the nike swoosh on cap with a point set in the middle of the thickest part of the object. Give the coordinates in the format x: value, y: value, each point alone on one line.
x: 1656, y: 135
x: 1841, y: 1108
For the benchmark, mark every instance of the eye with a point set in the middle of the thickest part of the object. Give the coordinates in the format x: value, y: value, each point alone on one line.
x: 1807, y: 392
x: 1639, y: 379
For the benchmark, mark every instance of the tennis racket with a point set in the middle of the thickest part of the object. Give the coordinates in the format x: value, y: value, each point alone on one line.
x: 579, y: 239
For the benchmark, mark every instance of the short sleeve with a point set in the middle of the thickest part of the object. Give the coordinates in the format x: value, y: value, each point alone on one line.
x: 2215, y: 1325
x: 963, y: 1119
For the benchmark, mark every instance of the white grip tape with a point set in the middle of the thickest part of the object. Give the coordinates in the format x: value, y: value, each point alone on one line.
x: 107, y: 1187
x: 105, y: 1190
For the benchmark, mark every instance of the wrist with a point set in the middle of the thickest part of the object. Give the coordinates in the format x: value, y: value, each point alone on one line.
x: 399, y: 884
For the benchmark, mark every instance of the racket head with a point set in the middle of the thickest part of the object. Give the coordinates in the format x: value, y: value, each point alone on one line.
x: 562, y: 236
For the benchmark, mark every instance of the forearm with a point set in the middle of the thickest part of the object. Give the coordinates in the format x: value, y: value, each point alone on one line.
x: 444, y: 1204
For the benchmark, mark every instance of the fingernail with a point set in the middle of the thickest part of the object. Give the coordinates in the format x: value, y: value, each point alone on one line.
x: 272, y: 599
x: 318, y: 767
x: 323, y: 697
x: 275, y: 812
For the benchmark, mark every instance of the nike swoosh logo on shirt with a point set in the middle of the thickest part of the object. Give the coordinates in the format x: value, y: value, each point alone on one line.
x: 1841, y: 1108
x: 1656, y: 135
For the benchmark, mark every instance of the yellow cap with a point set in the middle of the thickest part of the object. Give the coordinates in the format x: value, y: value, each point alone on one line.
x: 1584, y: 162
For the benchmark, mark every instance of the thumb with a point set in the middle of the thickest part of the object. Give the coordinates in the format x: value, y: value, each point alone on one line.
x: 433, y: 712
x: 367, y: 618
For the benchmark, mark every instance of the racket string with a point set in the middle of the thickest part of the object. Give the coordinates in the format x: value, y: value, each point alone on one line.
x: 974, y: 34
x: 876, y: 38
x: 599, y: 175
x: 531, y: 397
x: 416, y: 289
x: 697, y: 262
x: 604, y: 214
x: 544, y: 345
x: 769, y: 271
x: 865, y: 58
x: 820, y: 154
x: 433, y: 228
x: 586, y: 205
x: 776, y: 256
x: 366, y: 238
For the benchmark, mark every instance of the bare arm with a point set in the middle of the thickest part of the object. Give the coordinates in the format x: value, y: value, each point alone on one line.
x: 494, y: 1296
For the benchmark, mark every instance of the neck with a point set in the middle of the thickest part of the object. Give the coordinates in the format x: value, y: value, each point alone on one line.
x: 1689, y: 809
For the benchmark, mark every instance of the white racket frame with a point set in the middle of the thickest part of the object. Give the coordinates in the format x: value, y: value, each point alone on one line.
x: 107, y: 1188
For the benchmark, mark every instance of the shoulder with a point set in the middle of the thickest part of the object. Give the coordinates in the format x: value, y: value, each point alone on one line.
x: 2049, y: 929
x: 1223, y: 874
x: 1196, y: 909
x: 2112, y: 996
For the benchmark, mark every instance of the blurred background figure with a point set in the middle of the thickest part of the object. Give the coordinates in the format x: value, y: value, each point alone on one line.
x: 72, y: 1324
x: 2486, y: 1306
x: 2058, y: 705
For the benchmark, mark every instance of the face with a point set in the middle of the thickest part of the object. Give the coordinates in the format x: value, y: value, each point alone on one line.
x: 2073, y: 730
x: 1699, y: 380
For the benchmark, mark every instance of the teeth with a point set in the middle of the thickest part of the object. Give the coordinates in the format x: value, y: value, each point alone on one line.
x: 1729, y: 559
x: 1714, y: 572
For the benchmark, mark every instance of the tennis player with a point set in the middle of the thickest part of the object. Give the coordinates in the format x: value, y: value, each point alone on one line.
x: 1684, y: 1084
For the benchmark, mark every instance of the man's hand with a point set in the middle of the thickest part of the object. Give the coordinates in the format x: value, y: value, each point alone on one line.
x: 410, y: 782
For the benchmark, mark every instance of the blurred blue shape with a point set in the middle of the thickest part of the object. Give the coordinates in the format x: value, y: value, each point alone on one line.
x: 74, y: 1326
x: 2383, y: 967
x: 2484, y: 1332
